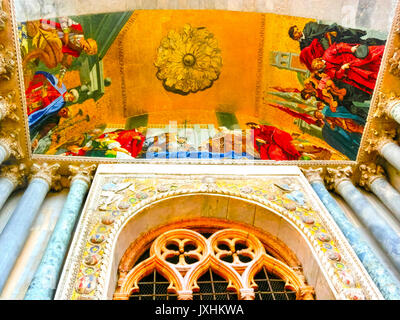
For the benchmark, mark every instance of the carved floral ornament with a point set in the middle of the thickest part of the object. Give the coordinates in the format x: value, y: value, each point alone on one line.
x: 188, y: 60
x: 210, y: 253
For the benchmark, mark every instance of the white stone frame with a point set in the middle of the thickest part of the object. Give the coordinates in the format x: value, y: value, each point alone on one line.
x: 109, y: 264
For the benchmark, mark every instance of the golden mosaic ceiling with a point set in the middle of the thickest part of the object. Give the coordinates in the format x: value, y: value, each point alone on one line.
x: 232, y: 71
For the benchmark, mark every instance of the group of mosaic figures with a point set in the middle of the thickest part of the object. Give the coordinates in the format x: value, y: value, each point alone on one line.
x: 55, y: 44
x: 343, y: 67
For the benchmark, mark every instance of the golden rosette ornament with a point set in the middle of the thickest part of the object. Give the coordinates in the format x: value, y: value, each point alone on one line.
x: 188, y: 60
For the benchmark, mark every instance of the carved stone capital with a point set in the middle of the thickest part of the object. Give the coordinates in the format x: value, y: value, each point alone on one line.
x: 247, y: 294
x: 394, y: 63
x: 3, y: 17
x: 369, y: 173
x: 11, y: 144
x: 82, y: 172
x: 121, y: 296
x: 7, y: 108
x: 47, y: 172
x: 305, y: 293
x: 385, y: 105
x: 335, y: 176
x: 15, y: 173
x: 185, y: 295
x: 380, y: 139
x: 313, y: 175
x: 7, y: 63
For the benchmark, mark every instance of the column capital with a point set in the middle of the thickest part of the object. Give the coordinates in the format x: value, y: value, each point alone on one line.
x: 3, y: 17
x: 385, y: 104
x: 47, y: 172
x: 7, y: 108
x: 15, y: 173
x: 369, y: 173
x: 7, y: 62
x: 247, y: 294
x: 394, y: 62
x: 10, y: 143
x: 313, y: 174
x: 380, y: 139
x: 305, y: 293
x: 185, y: 295
x: 82, y: 172
x: 335, y: 176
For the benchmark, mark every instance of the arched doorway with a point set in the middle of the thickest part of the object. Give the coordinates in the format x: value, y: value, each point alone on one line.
x: 123, y: 208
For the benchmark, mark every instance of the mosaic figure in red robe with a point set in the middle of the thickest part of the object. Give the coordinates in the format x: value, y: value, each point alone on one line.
x: 340, y: 63
x: 273, y: 143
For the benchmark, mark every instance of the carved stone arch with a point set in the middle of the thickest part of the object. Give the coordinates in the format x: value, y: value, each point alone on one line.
x: 128, y: 284
x: 122, y: 208
x: 182, y: 209
x: 294, y: 280
x: 234, y: 279
x: 276, y: 247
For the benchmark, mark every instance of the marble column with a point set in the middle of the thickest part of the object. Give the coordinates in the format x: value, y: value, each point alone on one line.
x: 44, y: 283
x: 338, y: 179
x: 15, y: 233
x: 378, y: 270
x: 10, y: 178
x: 373, y: 179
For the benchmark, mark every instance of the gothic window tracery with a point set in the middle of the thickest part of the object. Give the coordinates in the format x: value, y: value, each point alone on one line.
x: 230, y: 264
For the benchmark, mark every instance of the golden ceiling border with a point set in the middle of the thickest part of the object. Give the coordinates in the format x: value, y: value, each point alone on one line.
x: 16, y: 82
x: 260, y: 67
